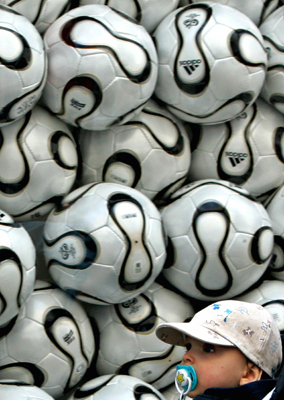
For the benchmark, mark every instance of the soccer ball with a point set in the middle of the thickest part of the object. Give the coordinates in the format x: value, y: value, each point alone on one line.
x: 17, y: 268
x: 23, y: 65
x: 131, y: 326
x: 270, y: 295
x: 220, y: 240
x: 123, y: 386
x: 13, y: 391
x: 102, y: 67
x: 40, y: 13
x: 274, y: 207
x: 38, y: 163
x: 272, y: 31
x: 147, y: 13
x: 212, y: 62
x: 247, y: 151
x: 51, y: 344
x: 256, y: 10
x: 129, y: 154
x: 104, y: 243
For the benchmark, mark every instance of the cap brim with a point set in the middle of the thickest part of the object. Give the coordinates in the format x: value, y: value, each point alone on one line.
x: 175, y: 333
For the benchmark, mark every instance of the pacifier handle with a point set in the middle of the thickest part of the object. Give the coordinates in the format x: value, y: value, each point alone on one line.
x: 185, y: 380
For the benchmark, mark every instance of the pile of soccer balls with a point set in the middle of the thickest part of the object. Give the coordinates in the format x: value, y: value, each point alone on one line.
x: 141, y: 178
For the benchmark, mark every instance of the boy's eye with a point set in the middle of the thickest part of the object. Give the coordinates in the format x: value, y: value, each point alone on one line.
x: 188, y: 346
x: 208, y: 348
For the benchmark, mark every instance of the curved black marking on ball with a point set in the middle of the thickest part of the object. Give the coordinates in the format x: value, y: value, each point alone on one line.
x: 64, y: 205
x: 237, y: 179
x: 82, y: 393
x: 174, y: 150
x: 66, y: 37
x: 197, y: 87
x: 146, y: 324
x: 279, y: 241
x: 140, y: 390
x: 37, y: 214
x: 40, y: 8
x: 91, y: 250
x: 50, y: 319
x: 207, y: 207
x: 34, y: 370
x: 279, y: 48
x: 276, y: 99
x: 255, y: 245
x: 30, y: 100
x: 54, y: 146
x: 125, y: 368
x: 127, y: 158
x: 9, y: 9
x: 24, y: 59
x: 112, y: 201
x: 161, y: 198
x: 119, y: 120
x: 170, y: 259
x: 234, y: 43
x: 17, y: 186
x: 138, y: 15
x: 8, y: 254
x: 5, y: 330
x: 278, y: 140
x: 91, y: 85
x: 77, y: 293
x: 246, y: 98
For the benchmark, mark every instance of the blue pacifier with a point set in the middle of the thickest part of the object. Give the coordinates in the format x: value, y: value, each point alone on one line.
x: 185, y: 380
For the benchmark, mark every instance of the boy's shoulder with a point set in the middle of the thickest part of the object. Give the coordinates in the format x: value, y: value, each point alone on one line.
x: 254, y: 391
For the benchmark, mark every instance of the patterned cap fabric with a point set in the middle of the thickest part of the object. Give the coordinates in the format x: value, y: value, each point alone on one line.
x: 247, y: 326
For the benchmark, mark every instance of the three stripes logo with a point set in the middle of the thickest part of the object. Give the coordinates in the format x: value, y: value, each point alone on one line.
x: 236, y: 158
x: 190, y: 65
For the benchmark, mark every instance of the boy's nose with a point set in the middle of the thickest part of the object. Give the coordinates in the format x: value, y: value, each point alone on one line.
x: 188, y: 358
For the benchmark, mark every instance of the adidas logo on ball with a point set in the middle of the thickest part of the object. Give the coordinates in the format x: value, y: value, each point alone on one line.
x: 190, y: 65
x: 236, y: 158
x: 76, y: 104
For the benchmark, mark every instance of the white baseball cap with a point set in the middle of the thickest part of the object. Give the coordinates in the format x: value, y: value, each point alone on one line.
x: 247, y: 326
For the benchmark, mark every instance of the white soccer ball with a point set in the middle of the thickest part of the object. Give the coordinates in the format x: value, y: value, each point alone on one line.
x: 40, y: 13
x: 131, y: 326
x: 17, y: 268
x: 132, y: 154
x: 104, y: 243
x: 102, y: 67
x: 123, y: 386
x: 274, y: 207
x: 256, y: 10
x: 147, y: 13
x: 248, y: 150
x: 23, y: 65
x: 51, y: 345
x: 270, y: 295
x: 212, y: 62
x: 220, y: 240
x: 272, y: 31
x: 12, y: 391
x: 38, y: 163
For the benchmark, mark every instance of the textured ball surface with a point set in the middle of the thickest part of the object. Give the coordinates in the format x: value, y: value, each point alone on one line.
x: 41, y: 13
x: 38, y: 163
x: 212, y: 62
x: 105, y: 56
x: 51, y: 344
x: 124, y: 386
x: 247, y: 151
x: 272, y: 31
x: 220, y: 240
x: 23, y: 65
x: 131, y: 325
x: 132, y: 154
x: 147, y: 13
x: 104, y: 243
x: 17, y: 268
x: 22, y: 392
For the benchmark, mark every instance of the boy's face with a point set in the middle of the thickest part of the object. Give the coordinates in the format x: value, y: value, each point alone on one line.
x: 215, y: 366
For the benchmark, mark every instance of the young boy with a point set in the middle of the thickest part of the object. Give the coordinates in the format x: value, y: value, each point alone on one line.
x: 231, y: 345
